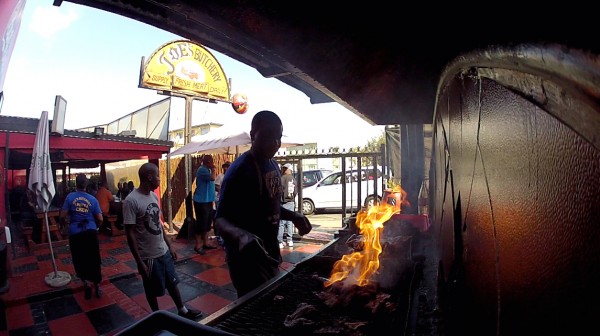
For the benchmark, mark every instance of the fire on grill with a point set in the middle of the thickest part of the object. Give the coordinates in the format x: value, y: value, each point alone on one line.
x: 357, y: 288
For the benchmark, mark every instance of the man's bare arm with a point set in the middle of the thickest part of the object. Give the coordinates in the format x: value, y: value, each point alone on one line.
x: 300, y: 221
x: 134, y: 250
x: 231, y: 232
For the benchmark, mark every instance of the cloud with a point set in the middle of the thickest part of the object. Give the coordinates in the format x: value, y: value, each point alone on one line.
x: 47, y: 21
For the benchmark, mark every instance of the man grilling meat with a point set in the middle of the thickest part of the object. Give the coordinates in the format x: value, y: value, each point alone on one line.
x: 250, y: 208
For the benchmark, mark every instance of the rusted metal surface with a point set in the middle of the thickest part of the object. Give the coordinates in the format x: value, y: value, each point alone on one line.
x: 517, y: 174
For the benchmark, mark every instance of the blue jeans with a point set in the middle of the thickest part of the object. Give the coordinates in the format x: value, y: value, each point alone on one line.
x: 286, y: 227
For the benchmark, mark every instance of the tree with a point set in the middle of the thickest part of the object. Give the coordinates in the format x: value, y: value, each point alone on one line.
x: 373, y: 146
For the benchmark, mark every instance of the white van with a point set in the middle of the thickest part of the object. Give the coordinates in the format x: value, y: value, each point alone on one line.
x: 327, y: 193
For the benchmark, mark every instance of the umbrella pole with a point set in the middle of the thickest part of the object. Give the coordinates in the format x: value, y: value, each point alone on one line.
x: 57, y: 278
x: 50, y: 243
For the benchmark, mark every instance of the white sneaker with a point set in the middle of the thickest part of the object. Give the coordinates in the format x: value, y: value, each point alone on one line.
x: 281, y: 245
x: 289, y: 244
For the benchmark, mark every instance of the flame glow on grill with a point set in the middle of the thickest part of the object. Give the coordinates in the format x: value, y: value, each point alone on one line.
x: 359, y: 267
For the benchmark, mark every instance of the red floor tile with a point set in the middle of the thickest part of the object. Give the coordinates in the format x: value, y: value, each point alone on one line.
x: 77, y: 324
x: 18, y: 316
x: 31, y: 282
x: 46, y: 267
x: 140, y: 299
x: 120, y: 268
x: 208, y: 303
x: 126, y: 303
x: 24, y: 260
x: 309, y: 248
x: 165, y: 302
x: 94, y: 302
x: 217, y: 276
x: 66, y: 268
x: 24, y: 285
x: 214, y: 258
x: 123, y: 256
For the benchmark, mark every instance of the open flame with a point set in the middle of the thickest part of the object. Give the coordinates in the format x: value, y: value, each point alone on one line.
x: 359, y: 267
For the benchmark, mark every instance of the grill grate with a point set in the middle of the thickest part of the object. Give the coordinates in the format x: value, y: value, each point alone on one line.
x: 265, y: 315
x: 265, y: 312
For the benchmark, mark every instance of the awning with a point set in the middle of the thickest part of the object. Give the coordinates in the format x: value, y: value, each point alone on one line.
x: 75, y: 148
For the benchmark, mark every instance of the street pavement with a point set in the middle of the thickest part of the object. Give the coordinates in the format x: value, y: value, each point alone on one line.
x: 325, y: 226
x: 328, y: 222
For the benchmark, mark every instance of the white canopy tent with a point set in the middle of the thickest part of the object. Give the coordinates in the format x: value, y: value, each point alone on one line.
x: 225, y: 140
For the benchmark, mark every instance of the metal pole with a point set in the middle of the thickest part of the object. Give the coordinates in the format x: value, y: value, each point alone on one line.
x: 188, y: 159
x: 169, y: 207
x: 186, y: 139
x: 299, y: 184
x: 50, y: 242
x: 56, y: 278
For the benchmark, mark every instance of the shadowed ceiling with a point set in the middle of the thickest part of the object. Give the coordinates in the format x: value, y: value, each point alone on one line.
x: 381, y: 61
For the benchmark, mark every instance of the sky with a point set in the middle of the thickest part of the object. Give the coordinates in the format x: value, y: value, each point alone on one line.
x: 92, y: 58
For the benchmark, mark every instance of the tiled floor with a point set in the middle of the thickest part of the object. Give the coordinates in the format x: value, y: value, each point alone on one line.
x: 31, y: 307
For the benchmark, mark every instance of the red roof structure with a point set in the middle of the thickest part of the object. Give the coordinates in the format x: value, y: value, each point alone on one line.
x: 75, y: 149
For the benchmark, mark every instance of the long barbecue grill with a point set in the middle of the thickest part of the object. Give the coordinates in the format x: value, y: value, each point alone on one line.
x: 297, y: 302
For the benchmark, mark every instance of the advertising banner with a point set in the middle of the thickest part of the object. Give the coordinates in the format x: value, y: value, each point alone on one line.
x: 185, y: 67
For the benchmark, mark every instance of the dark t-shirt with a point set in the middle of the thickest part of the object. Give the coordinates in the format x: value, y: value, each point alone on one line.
x: 288, y: 185
x: 249, y: 205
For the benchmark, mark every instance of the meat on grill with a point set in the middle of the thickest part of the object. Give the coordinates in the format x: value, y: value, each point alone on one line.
x: 307, y: 318
x: 364, y: 299
x: 303, y: 316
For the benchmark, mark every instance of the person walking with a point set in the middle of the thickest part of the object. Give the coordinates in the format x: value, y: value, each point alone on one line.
x: 204, y: 199
x: 149, y: 246
x: 104, y: 197
x: 85, y: 216
x: 250, y: 208
x: 289, y: 192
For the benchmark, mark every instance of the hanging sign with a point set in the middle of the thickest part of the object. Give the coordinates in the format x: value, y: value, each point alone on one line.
x: 185, y: 67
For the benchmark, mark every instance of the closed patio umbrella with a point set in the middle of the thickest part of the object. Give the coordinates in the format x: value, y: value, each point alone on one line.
x: 41, y: 183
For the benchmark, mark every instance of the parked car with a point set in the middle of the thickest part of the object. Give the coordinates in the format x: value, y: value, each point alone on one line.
x: 311, y: 177
x: 327, y: 193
